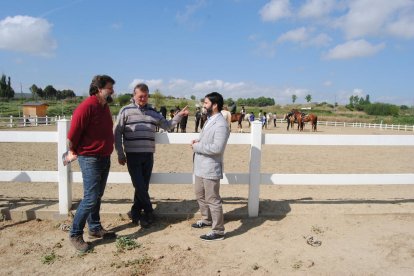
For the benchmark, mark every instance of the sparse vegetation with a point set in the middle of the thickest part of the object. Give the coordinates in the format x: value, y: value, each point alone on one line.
x: 126, y: 243
x: 140, y: 266
x: 49, y: 258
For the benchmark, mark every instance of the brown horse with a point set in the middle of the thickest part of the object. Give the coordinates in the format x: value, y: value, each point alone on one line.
x: 238, y: 117
x: 302, y: 118
x: 290, y: 120
x: 311, y: 118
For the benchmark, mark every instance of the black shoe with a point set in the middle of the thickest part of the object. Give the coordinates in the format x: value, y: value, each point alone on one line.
x: 144, y: 222
x: 212, y: 237
x: 150, y: 217
x: 133, y: 220
x: 199, y: 224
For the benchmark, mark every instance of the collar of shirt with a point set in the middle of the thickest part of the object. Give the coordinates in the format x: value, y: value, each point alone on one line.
x: 209, y: 119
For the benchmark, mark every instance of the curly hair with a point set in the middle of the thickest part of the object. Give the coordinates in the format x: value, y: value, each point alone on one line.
x: 99, y: 82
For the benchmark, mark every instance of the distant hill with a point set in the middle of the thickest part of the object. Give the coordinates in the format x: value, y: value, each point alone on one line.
x: 22, y: 95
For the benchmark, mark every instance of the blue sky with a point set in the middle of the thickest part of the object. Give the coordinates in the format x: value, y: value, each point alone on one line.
x: 330, y: 49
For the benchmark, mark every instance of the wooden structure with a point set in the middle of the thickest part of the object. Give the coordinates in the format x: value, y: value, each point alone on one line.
x: 34, y: 109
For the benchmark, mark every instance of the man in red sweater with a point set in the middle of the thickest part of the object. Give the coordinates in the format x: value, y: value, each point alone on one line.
x: 91, y: 140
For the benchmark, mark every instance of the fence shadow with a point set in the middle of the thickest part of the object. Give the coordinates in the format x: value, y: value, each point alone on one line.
x: 273, y: 210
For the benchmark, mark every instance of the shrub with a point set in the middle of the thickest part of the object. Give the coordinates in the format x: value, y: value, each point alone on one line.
x: 381, y: 109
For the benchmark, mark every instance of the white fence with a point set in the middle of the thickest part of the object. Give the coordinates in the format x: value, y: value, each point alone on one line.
x: 35, y: 121
x: 64, y: 176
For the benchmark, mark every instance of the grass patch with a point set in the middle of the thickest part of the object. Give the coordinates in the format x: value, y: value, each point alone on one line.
x: 140, y: 266
x: 126, y: 243
x: 49, y: 258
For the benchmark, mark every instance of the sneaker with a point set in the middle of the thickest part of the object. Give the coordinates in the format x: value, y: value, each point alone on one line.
x: 212, y: 237
x: 199, y: 224
x: 102, y: 233
x: 80, y: 245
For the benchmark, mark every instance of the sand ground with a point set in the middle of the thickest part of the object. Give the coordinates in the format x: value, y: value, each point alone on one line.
x: 363, y: 230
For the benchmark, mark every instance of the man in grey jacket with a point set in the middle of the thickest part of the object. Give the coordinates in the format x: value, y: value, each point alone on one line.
x: 208, y: 167
x: 135, y: 144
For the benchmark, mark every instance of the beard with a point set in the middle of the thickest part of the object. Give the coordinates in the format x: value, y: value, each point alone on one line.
x: 109, y: 99
x: 209, y: 111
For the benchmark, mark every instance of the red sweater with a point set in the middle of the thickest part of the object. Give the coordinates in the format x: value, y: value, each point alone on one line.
x: 91, y: 129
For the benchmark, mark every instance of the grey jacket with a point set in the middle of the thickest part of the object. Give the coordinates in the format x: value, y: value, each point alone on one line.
x: 135, y: 129
x: 209, y: 151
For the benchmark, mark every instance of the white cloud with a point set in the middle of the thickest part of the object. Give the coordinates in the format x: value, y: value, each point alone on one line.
x: 354, y: 48
x: 152, y: 84
x: 275, y: 10
x: 327, y: 83
x: 190, y: 10
x: 235, y: 90
x: 218, y: 85
x: 266, y: 49
x: 370, y: 17
x: 27, y: 34
x: 319, y: 40
x: 297, y: 35
x: 403, y: 27
x: 358, y: 92
x: 316, y: 8
x: 305, y: 37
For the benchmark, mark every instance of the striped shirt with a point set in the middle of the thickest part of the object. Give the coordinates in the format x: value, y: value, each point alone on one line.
x: 136, y: 126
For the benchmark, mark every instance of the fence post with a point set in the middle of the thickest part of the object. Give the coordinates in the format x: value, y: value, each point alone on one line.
x: 254, y: 169
x: 65, y: 182
x: 11, y: 121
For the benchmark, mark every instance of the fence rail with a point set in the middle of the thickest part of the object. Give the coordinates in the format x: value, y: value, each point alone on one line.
x: 65, y: 177
x: 11, y: 122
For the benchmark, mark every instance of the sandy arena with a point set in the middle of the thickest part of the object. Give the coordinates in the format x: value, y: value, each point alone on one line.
x: 328, y: 230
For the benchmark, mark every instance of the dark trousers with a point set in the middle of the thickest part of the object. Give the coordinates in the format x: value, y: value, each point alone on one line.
x: 140, y: 169
x: 197, y: 124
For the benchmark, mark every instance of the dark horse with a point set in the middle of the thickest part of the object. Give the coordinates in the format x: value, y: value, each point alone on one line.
x: 290, y: 119
x: 302, y: 118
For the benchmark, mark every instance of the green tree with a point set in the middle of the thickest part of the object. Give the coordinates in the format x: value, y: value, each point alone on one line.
x: 308, y: 98
x: 193, y: 97
x: 294, y: 98
x: 50, y: 92
x: 159, y: 98
x: 123, y: 99
x: 6, y: 90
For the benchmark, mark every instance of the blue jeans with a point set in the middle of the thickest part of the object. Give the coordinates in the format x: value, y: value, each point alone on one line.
x: 95, y: 172
x: 140, y: 169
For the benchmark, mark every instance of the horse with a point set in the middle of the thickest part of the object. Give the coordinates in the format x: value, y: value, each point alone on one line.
x: 238, y: 117
x: 302, y: 118
x: 290, y: 119
x: 311, y: 118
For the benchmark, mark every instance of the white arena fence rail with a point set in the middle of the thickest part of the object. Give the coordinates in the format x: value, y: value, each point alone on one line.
x: 10, y: 122
x: 65, y: 177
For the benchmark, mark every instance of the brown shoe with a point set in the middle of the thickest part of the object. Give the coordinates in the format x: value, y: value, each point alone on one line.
x: 80, y: 245
x: 102, y: 233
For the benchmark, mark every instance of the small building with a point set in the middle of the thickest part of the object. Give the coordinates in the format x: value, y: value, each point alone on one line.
x: 34, y: 109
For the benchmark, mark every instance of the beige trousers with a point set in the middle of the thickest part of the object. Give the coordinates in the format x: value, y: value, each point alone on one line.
x: 210, y: 203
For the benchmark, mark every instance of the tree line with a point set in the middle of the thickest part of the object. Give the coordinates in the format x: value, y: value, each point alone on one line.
x: 50, y: 93
x: 6, y: 91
